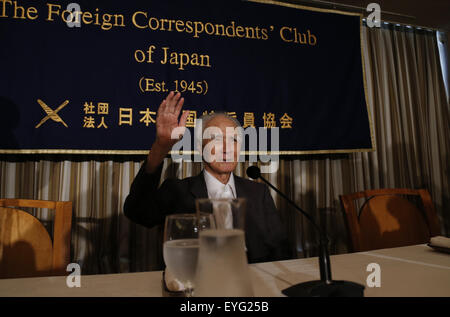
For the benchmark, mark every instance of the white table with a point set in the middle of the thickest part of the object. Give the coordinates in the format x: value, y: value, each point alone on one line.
x: 407, y: 271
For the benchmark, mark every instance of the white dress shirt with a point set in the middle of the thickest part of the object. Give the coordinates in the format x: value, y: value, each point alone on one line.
x: 216, y: 189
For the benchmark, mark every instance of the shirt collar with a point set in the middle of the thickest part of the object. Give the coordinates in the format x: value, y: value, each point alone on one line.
x: 214, y: 186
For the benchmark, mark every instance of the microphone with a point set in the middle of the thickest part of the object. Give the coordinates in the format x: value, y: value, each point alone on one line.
x: 326, y: 286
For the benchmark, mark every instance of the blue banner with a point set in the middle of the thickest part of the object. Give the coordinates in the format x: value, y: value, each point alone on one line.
x: 88, y: 77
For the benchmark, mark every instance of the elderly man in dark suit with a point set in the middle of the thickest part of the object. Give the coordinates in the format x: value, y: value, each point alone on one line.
x: 148, y: 205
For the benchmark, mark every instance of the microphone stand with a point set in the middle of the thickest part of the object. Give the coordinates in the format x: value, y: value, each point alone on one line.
x: 325, y: 287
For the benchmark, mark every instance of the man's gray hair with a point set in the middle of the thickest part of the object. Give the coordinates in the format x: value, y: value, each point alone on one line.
x: 208, y: 117
x: 198, y: 138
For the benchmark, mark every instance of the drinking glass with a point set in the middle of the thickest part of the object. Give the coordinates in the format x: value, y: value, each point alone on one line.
x: 222, y: 268
x: 228, y: 213
x: 181, y: 244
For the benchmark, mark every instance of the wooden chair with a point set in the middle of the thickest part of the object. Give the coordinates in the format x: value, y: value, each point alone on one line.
x: 26, y: 248
x: 387, y: 219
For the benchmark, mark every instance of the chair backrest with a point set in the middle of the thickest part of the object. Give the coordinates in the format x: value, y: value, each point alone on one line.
x: 26, y: 248
x: 387, y: 219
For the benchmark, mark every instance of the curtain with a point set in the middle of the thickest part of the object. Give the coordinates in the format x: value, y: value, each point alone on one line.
x: 410, y: 117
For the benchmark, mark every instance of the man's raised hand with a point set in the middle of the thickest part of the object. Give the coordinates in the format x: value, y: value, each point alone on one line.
x: 166, y: 123
x: 167, y: 120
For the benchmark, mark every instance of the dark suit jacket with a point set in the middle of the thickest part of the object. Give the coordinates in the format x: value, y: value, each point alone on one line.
x: 264, y: 233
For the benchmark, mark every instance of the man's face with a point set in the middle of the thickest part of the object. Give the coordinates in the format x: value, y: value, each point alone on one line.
x: 220, y: 145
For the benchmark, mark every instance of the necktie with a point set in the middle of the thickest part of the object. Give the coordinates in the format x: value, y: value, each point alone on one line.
x: 223, y: 209
x: 226, y: 192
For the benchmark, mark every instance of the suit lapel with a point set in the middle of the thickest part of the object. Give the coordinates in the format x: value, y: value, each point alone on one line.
x: 240, y: 190
x: 198, y: 186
